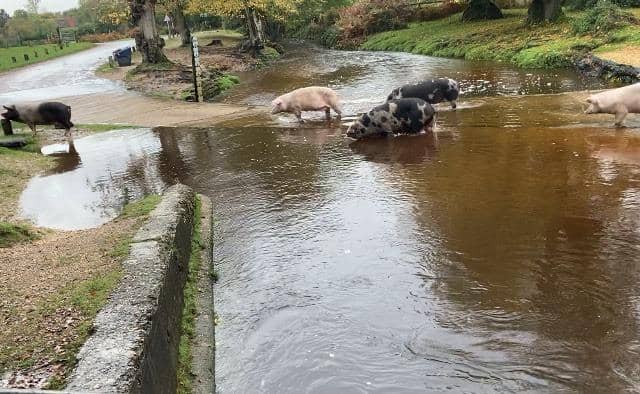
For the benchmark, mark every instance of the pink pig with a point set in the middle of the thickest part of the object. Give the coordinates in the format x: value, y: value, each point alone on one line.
x: 620, y: 102
x: 312, y: 98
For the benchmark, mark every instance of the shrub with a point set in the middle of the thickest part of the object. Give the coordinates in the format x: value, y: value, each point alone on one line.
x: 104, y: 37
x: 366, y: 17
x: 602, y: 18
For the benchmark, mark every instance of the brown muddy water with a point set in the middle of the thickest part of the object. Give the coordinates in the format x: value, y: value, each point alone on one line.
x: 503, y: 255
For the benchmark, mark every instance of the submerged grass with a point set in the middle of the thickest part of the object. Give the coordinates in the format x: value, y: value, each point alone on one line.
x: 185, y: 378
x: 502, y: 40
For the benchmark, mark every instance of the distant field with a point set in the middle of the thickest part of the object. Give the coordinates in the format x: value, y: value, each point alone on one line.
x: 6, y: 63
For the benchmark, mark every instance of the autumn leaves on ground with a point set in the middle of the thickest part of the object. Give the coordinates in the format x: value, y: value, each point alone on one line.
x: 52, y: 287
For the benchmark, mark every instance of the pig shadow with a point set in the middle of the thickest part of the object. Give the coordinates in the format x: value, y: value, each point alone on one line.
x: 65, y: 161
x: 403, y: 149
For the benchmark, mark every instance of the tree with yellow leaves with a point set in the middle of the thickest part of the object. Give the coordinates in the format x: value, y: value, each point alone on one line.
x: 253, y: 12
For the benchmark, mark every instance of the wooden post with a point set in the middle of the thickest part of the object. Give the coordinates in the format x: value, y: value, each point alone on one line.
x: 6, y: 127
x: 195, y: 63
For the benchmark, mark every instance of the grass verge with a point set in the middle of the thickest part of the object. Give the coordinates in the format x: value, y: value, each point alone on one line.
x: 12, y: 233
x: 47, y: 309
x: 503, y: 40
x: 44, y: 52
x: 185, y: 377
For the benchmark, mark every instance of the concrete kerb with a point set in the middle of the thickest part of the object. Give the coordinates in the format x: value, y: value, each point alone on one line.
x: 134, y: 347
x: 203, y: 350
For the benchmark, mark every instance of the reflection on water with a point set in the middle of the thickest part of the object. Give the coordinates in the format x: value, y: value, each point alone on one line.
x: 89, y: 184
x: 502, y: 256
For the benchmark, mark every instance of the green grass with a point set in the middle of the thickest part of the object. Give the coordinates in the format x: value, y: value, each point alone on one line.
x: 135, y: 209
x: 226, y: 81
x: 141, y: 207
x: 185, y: 378
x: 629, y: 35
x: 102, y: 127
x: 31, y: 143
x: 23, y: 131
x: 6, y: 63
x: 12, y: 233
x: 503, y: 40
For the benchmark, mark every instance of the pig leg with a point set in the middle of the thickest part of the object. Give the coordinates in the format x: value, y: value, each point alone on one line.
x: 454, y: 105
x: 32, y: 126
x: 327, y: 112
x: 337, y: 110
x: 298, y: 114
x: 430, y: 125
x: 621, y: 113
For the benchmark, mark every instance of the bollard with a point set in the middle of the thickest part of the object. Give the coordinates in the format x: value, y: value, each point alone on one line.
x: 6, y: 127
x: 26, y: 57
x: 195, y: 66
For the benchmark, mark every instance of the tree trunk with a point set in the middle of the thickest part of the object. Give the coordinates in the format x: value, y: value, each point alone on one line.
x: 544, y: 11
x: 481, y: 10
x: 181, y: 26
x: 256, y: 31
x: 148, y: 42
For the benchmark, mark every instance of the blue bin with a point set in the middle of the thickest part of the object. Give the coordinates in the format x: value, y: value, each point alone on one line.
x: 123, y: 56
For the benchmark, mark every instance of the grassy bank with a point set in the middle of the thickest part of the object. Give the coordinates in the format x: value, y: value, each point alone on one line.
x: 503, y: 40
x: 44, y: 52
x: 185, y: 378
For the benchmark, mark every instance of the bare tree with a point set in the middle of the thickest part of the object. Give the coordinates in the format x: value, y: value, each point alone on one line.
x: 33, y: 6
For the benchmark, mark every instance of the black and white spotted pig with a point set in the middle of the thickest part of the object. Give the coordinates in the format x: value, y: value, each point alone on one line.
x: 46, y: 113
x: 409, y: 115
x: 432, y: 91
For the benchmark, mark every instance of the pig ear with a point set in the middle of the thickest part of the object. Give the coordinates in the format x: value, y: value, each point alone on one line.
x: 589, y: 100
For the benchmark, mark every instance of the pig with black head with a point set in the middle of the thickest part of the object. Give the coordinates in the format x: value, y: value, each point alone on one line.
x: 410, y: 115
x: 46, y: 113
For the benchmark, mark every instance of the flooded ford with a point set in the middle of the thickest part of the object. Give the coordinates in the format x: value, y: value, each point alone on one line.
x: 498, y: 255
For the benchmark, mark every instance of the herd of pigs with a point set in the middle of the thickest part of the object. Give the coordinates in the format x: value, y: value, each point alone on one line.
x: 407, y: 110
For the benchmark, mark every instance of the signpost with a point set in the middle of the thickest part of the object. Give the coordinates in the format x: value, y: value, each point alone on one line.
x: 195, y: 65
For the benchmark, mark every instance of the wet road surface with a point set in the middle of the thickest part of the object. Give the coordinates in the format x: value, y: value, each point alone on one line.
x: 501, y: 256
x: 61, y: 77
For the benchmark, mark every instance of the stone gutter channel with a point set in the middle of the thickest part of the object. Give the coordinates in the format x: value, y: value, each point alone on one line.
x: 134, y: 345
